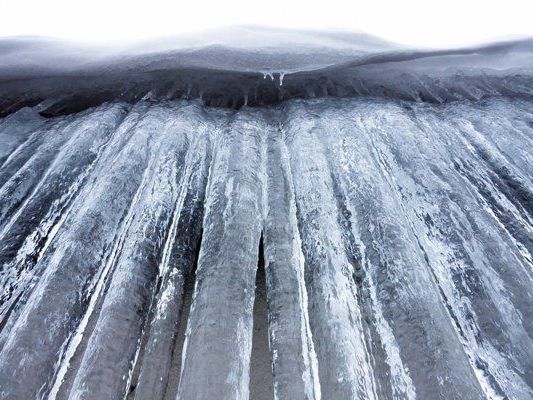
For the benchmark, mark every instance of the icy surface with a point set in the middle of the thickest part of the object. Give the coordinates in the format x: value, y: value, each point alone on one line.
x: 397, y: 240
x: 254, y: 66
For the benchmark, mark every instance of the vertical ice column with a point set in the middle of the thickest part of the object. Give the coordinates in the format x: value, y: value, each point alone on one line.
x: 113, y: 345
x: 14, y: 188
x: 33, y: 351
x: 27, y: 266
x: 422, y: 354
x: 217, y: 350
x: 471, y: 214
x: 16, y: 129
x: 344, y: 367
x: 28, y: 227
x: 294, y: 360
x: 178, y: 258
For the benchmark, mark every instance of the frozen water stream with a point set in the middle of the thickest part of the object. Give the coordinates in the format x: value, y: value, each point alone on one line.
x: 398, y: 241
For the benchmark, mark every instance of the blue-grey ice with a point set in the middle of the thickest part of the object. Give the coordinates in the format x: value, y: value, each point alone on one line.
x: 384, y: 194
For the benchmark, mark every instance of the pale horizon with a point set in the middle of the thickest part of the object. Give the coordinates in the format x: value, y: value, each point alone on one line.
x: 412, y: 23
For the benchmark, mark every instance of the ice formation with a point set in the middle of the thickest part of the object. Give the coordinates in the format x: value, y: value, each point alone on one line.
x: 377, y: 207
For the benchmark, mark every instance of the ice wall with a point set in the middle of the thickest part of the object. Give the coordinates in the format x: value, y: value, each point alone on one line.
x: 397, y: 246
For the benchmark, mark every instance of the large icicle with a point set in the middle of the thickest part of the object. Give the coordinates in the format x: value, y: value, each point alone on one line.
x: 294, y: 360
x: 343, y: 360
x: 216, y: 357
x: 178, y: 258
x: 472, y: 213
x: 26, y: 264
x: 18, y: 186
x: 25, y: 233
x: 37, y: 143
x: 16, y: 129
x: 403, y: 303
x: 113, y: 344
x: 76, y: 258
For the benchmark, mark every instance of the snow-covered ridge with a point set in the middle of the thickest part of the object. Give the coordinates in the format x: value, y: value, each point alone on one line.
x: 253, y: 66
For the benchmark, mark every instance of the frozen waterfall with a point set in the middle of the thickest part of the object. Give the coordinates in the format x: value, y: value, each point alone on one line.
x: 387, y: 205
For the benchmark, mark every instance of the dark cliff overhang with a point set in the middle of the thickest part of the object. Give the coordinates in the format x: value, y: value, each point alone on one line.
x: 223, y: 77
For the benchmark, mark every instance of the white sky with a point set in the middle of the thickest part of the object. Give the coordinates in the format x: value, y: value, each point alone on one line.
x: 415, y: 22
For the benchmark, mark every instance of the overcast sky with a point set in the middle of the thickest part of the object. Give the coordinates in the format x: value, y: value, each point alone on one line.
x: 414, y: 22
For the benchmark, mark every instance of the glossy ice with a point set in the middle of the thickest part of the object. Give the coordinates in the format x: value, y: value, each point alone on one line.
x: 397, y: 246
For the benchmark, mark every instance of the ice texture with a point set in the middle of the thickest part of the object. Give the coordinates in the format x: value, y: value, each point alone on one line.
x: 397, y: 240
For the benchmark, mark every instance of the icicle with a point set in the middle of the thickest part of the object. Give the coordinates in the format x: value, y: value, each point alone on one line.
x: 281, y: 76
x: 269, y: 74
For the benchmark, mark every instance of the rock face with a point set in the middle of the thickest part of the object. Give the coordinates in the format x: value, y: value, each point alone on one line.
x: 396, y: 240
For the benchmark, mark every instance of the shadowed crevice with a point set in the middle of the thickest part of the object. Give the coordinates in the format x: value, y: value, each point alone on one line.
x: 261, y: 380
x: 188, y: 291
